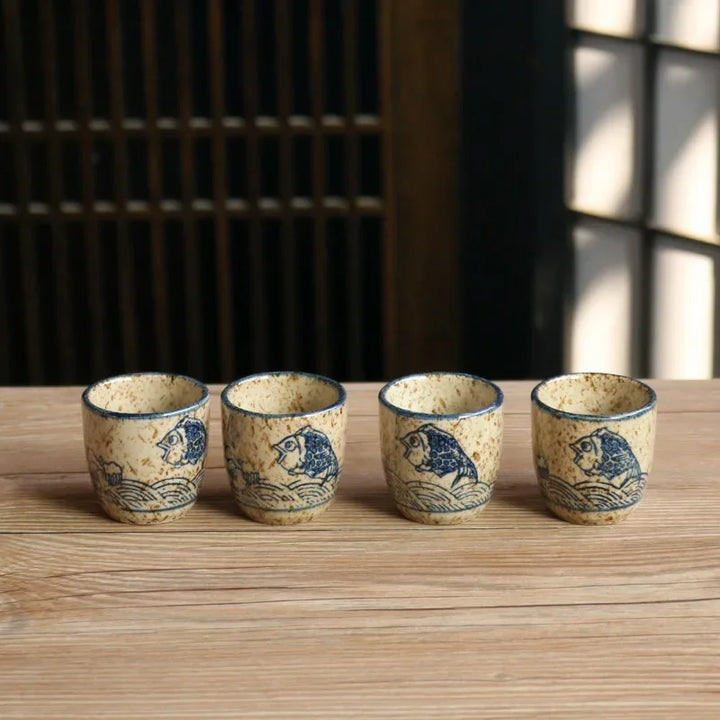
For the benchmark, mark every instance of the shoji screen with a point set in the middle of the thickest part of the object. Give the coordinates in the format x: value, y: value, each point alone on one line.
x: 642, y: 186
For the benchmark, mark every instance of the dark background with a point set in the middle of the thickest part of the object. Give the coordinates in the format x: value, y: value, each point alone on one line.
x: 361, y: 189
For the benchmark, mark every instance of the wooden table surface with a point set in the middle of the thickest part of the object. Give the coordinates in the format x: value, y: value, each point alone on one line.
x: 360, y: 613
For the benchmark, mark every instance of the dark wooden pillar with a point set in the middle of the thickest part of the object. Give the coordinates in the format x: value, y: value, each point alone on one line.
x: 420, y: 109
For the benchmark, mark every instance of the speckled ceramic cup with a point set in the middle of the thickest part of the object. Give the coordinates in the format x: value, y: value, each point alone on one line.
x: 440, y: 436
x: 593, y: 441
x: 284, y: 435
x: 145, y: 441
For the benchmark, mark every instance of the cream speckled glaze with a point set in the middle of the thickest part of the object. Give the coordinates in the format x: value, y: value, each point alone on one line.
x: 593, y: 442
x: 145, y: 442
x: 440, y: 436
x: 284, y: 435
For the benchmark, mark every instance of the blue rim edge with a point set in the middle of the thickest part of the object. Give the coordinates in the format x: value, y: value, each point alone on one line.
x: 205, y: 398
x: 497, y: 403
x: 341, y: 399
x: 646, y: 408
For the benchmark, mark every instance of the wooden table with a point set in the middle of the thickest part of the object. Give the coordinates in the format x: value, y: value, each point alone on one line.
x: 360, y: 613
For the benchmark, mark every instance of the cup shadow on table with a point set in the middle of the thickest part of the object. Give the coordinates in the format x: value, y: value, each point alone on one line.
x: 216, y: 495
x: 521, y: 491
x: 76, y: 496
x: 373, y: 496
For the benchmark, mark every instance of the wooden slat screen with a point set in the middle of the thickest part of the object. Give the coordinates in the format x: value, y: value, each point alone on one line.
x: 191, y: 186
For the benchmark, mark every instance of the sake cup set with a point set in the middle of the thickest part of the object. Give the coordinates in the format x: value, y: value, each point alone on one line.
x: 284, y: 434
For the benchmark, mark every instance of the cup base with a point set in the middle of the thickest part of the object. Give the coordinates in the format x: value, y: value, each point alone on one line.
x: 145, y: 518
x: 283, y: 517
x: 444, y: 518
x: 579, y: 517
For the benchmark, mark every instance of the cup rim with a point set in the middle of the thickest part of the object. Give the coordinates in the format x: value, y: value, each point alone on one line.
x: 494, y: 405
x: 341, y: 399
x: 585, y: 417
x: 120, y: 415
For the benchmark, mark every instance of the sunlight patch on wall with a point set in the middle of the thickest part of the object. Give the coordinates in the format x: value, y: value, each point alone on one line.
x: 683, y: 312
x: 603, y: 336
x: 692, y: 23
x: 607, y: 109
x: 686, y: 145
x: 614, y: 17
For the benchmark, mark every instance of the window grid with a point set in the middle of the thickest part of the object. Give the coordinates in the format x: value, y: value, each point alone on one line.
x: 649, y: 231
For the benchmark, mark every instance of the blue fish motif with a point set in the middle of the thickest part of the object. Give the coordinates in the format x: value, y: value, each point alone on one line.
x: 431, y: 450
x: 606, y: 454
x: 185, y: 443
x: 308, y: 452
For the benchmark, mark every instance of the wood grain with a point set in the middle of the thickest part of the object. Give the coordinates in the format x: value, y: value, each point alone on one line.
x: 359, y: 614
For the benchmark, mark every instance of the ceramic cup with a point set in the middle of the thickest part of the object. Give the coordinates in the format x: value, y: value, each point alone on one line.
x: 145, y: 441
x: 440, y: 436
x: 593, y: 441
x: 284, y: 435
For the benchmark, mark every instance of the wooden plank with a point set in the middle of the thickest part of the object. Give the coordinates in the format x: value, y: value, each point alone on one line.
x: 231, y: 672
x: 359, y: 614
x: 420, y: 109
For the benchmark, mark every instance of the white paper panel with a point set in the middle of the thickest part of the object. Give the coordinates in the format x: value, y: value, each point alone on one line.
x: 615, y: 17
x: 686, y: 144
x: 602, y: 336
x: 683, y: 312
x: 606, y: 178
x: 693, y: 23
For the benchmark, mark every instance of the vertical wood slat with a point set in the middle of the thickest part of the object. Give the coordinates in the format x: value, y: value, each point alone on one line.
x: 386, y: 31
x: 317, y: 80
x: 128, y: 317
x: 283, y: 23
x: 96, y: 301
x: 222, y: 257
x: 29, y: 279
x: 250, y: 92
x: 159, y: 280
x: 195, y: 334
x: 352, y: 174
x: 63, y: 311
x: 5, y: 376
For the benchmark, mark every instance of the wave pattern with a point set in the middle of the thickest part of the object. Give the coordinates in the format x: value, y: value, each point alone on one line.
x: 133, y: 495
x: 593, y: 495
x: 426, y: 496
x: 298, y: 495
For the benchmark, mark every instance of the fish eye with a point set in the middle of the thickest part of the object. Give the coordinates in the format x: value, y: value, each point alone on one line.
x: 289, y: 445
x: 414, y: 441
x: 173, y: 439
x: 586, y: 446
